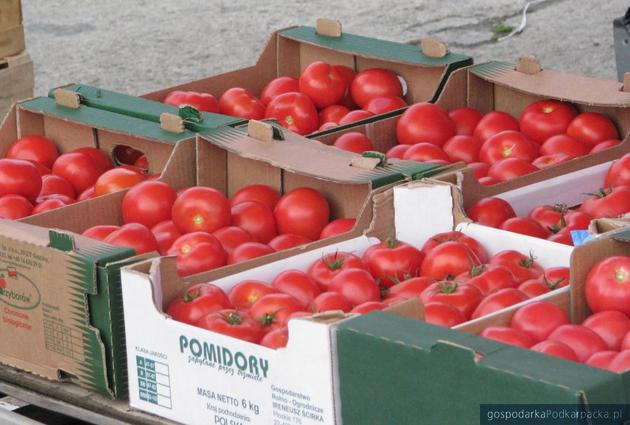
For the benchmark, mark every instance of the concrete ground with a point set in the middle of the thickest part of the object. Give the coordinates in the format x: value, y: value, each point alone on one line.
x: 137, y: 46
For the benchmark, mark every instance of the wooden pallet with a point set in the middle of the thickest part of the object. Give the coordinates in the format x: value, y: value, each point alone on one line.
x: 16, y: 80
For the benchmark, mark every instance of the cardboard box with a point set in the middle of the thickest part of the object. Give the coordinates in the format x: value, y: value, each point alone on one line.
x: 62, y: 309
x: 11, y: 29
x: 290, y: 50
x: 16, y: 80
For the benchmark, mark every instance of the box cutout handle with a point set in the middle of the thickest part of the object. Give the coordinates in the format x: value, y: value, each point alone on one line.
x: 626, y: 82
x: 328, y: 27
x: 263, y: 131
x: 528, y: 65
x: 67, y: 98
x: 433, y: 48
x: 171, y: 123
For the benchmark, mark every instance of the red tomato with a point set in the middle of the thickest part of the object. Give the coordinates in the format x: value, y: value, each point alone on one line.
x: 525, y: 226
x: 562, y: 143
x: 232, y: 323
x: 348, y: 74
x: 18, y: 177
x: 397, y: 152
x: 442, y: 314
x: 294, y: 111
x: 273, y: 310
x: 601, y: 359
x: 279, y: 86
x: 34, y: 148
x: 625, y: 343
x: 563, y: 237
x: 256, y: 192
x: 381, y: 105
x: 575, y: 220
x: 488, y: 181
x: 202, y: 257
x: 333, y: 113
x: 462, y: 296
x: 611, y: 202
x: 302, y: 211
x: 368, y: 306
x: 115, y: 180
x: 556, y: 349
x: 465, y: 120
x: 323, y: 83
x: 148, y: 203
x: 49, y: 204
x: 14, y: 207
x: 238, y: 102
x: 244, y: 294
x: 523, y: 267
x: 78, y: 168
x: 330, y: 265
x: 201, y: 209
x: 508, y: 336
x: 462, y: 148
x: 287, y: 241
x: 297, y: 284
x: 425, y: 152
x: 201, y: 101
x: 393, y: 261
x: 327, y: 126
x: 612, y: 326
x: 549, y: 216
x: 607, y: 285
x: 142, y: 162
x: 185, y: 243
x: 556, y: 277
x: 448, y: 260
x: 539, y: 319
x: 134, y: 235
x: 87, y: 194
x: 508, y: 144
x: 166, y: 234
x: 581, y: 339
x: 621, y: 362
x: 248, y: 251
x: 356, y: 285
x: 197, y: 301
x: 493, y: 278
x: 550, y: 160
x: 424, y: 123
x: 277, y: 338
x: 337, y: 227
x: 410, y: 288
x: 354, y: 141
x: 329, y: 301
x: 455, y: 236
x: 498, y: 300
x: 605, y: 145
x: 56, y: 185
x: 510, y: 168
x: 256, y: 218
x: 480, y: 169
x: 373, y: 83
x: 232, y: 237
x: 534, y: 287
x: 354, y: 116
x: 490, y: 211
x: 546, y: 118
x: 63, y: 198
x: 42, y: 170
x: 619, y: 172
x: 102, y: 160
x: 493, y: 123
x: 592, y: 128
x: 100, y: 232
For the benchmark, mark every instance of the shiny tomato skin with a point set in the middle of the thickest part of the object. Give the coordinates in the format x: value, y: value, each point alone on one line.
x: 448, y: 260
x: 556, y: 349
x: 462, y: 148
x: 546, y: 118
x: 166, y: 234
x: 34, y: 148
x: 200, y: 209
x: 148, y: 203
x: 19, y: 177
x: 354, y: 116
x: 116, y: 179
x: 619, y: 172
x: 86, y: 194
x: 605, y: 145
x: 508, y: 336
x: 373, y: 83
x: 356, y: 285
x: 197, y: 301
x: 424, y: 123
x: 465, y: 120
x: 134, y: 235
x: 273, y: 310
x: 236, y: 324
x: 238, y: 102
x: 625, y: 343
x: 533, y: 288
x: 327, y: 126
x: 546, y: 161
x: 410, y: 288
x: 330, y: 265
x: 14, y: 207
x: 493, y: 123
x: 523, y: 267
x: 42, y: 170
x: 256, y: 218
x: 337, y: 227
x: 333, y: 113
x: 323, y: 83
x: 279, y: 86
x: 525, y: 226
x: 78, y: 168
x: 200, y: 101
x: 354, y: 141
x: 442, y: 314
x: 508, y: 144
x: 381, y: 105
x: 480, y: 169
x: 612, y: 326
x: 491, y: 212
x: 49, y: 204
x: 510, y: 168
x: 368, y: 306
x: 348, y: 74
x: 425, y: 152
x: 567, y: 145
x: 584, y: 341
x: 621, y: 362
x: 330, y: 301
x: 245, y: 293
x: 607, y: 285
x: 101, y: 160
x: 294, y: 111
x: 612, y: 202
x: 462, y: 296
x: 456, y: 236
x: 539, y: 319
x: 393, y: 261
x: 498, y: 300
x: 277, y: 338
x: 185, y: 243
x: 231, y: 237
x: 256, y: 192
x: 549, y: 216
x: 56, y: 185
x: 488, y: 181
x: 592, y: 128
x: 601, y: 359
x: 248, y: 251
x: 302, y: 211
x: 493, y: 278
x: 287, y: 241
x: 297, y: 284
x: 397, y: 152
x: 202, y: 257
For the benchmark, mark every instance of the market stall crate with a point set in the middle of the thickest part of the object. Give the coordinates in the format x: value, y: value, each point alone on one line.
x: 11, y: 29
x: 16, y: 80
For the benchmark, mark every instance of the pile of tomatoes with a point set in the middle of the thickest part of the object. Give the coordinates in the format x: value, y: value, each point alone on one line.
x: 323, y: 97
x: 495, y: 145
x: 35, y: 178
x: 205, y: 230
x: 555, y: 222
x: 451, y: 275
x: 602, y: 340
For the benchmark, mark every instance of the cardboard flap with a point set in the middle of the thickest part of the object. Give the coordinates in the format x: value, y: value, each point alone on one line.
x: 328, y: 27
x: 30, y: 234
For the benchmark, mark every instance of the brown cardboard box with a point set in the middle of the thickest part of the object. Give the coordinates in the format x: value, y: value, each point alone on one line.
x: 16, y: 80
x: 11, y: 29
